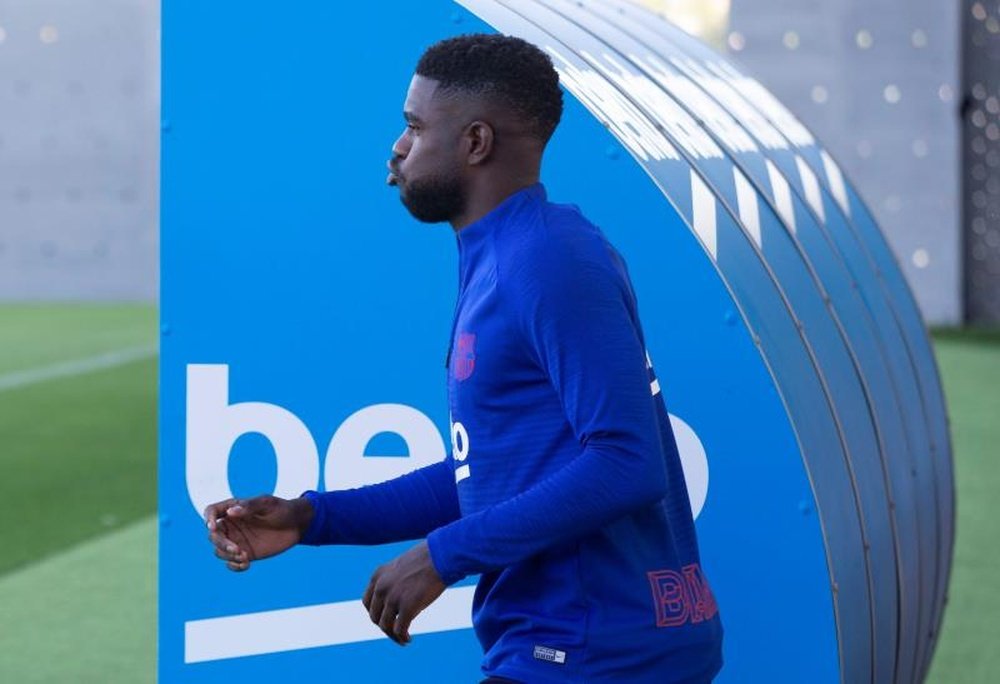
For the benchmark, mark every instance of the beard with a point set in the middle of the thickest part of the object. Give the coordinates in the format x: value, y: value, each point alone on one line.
x: 434, y: 199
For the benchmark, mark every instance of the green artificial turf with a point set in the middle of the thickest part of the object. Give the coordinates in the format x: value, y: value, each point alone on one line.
x: 78, y: 457
x: 36, y: 335
x: 77, y: 451
x: 967, y: 650
x: 85, y: 616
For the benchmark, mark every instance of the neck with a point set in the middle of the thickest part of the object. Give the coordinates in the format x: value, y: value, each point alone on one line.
x: 486, y: 198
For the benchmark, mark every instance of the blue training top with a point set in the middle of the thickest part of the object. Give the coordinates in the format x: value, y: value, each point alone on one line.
x: 564, y: 488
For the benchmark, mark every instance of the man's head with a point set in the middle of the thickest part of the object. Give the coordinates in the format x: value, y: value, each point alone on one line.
x: 479, y: 112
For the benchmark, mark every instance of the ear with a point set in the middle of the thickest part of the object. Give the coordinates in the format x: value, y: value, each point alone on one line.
x: 480, y: 138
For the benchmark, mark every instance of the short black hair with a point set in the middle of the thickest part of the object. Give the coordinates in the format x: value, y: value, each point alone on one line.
x: 511, y: 71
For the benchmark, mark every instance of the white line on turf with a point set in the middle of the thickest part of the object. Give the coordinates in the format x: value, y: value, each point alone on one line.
x: 65, y: 369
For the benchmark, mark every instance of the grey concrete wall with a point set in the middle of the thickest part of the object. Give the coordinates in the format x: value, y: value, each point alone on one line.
x: 877, y: 81
x: 79, y: 138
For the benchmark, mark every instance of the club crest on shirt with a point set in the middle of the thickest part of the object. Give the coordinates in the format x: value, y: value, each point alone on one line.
x: 465, y: 356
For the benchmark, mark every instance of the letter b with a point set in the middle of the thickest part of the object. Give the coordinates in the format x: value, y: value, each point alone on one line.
x: 214, y: 425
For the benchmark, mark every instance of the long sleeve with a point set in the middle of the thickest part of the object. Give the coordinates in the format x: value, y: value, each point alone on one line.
x: 407, y: 507
x: 576, y: 314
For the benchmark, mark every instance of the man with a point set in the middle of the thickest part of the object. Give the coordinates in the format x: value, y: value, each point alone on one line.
x: 564, y: 489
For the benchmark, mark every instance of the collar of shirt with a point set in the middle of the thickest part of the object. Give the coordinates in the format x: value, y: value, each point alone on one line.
x: 474, y: 236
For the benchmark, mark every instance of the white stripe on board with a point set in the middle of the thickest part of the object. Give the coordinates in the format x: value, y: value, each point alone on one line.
x: 810, y: 184
x: 462, y: 472
x: 703, y: 211
x: 328, y: 624
x: 836, y: 180
x: 746, y: 198
x: 782, y: 195
x: 65, y: 369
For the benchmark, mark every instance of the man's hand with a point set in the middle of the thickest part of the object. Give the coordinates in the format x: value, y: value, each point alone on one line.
x: 400, y: 589
x: 245, y: 530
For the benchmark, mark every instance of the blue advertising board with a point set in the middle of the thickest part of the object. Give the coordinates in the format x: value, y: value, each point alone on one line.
x: 305, y: 318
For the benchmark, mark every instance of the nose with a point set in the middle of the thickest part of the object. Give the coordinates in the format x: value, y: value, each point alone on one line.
x: 401, y: 147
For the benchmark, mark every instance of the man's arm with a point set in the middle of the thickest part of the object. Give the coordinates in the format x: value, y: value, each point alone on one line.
x: 578, y: 322
x: 407, y: 507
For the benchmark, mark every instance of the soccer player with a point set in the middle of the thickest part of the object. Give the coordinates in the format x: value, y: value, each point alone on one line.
x: 564, y: 489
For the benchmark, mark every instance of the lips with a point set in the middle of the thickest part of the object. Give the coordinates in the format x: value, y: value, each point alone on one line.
x: 394, y: 177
